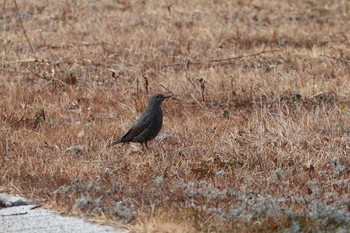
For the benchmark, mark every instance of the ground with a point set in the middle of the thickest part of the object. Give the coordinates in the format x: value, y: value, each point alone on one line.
x: 255, y: 138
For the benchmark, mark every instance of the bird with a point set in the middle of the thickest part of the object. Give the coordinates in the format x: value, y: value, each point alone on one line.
x: 148, y: 125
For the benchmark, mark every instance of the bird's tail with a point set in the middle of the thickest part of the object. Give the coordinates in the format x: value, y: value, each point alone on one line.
x: 120, y: 140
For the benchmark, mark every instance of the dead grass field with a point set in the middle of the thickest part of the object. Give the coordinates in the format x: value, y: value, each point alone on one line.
x: 254, y: 144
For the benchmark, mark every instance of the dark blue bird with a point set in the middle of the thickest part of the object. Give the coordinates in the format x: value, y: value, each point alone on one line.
x: 148, y: 125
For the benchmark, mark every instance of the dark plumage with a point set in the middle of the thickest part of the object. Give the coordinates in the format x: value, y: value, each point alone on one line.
x: 148, y: 125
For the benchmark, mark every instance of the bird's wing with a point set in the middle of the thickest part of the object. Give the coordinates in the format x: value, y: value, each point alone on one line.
x: 142, y: 124
x: 135, y: 131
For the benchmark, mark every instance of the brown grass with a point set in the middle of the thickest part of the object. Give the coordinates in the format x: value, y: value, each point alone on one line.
x: 256, y: 144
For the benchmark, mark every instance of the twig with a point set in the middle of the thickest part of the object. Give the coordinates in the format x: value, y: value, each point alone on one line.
x: 199, y: 103
x: 167, y: 89
x: 187, y: 63
x: 35, y: 207
x: 7, y: 148
x: 15, y: 214
x: 337, y: 59
x: 202, y: 85
x: 186, y: 74
x: 66, y: 46
x: 28, y: 60
x: 25, y: 111
x: 145, y: 83
x: 25, y: 33
x: 243, y: 56
x: 137, y: 87
x: 3, y: 5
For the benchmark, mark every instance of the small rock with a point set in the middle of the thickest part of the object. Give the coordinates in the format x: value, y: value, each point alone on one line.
x: 83, y: 203
x: 169, y: 137
x: 124, y: 210
x: 159, y: 179
x: 75, y: 150
x: 9, y: 201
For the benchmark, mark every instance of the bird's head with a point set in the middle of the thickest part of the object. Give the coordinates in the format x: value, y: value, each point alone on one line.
x: 157, y: 99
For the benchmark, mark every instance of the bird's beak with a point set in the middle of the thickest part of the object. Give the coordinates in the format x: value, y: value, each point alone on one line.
x: 168, y: 96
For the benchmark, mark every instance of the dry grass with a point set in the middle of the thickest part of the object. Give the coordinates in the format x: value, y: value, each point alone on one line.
x: 256, y: 144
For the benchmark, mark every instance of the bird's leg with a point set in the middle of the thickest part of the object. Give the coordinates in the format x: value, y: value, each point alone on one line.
x: 144, y: 146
